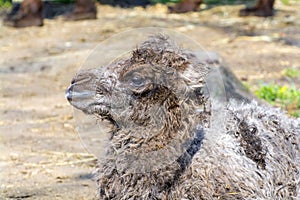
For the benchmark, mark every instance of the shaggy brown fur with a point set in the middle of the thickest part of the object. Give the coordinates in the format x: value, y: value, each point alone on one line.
x: 29, y: 14
x: 165, y: 143
x: 262, y: 8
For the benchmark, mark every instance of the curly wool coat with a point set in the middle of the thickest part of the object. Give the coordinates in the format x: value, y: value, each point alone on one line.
x: 165, y: 144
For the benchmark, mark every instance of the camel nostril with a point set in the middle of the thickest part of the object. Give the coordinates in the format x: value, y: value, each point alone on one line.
x: 68, y: 93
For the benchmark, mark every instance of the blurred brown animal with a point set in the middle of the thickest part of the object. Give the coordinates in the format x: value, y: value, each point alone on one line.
x: 185, y: 6
x: 263, y: 8
x: 84, y: 9
x: 29, y: 14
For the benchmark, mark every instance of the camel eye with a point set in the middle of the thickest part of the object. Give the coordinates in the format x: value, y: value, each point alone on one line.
x: 137, y: 81
x: 199, y: 91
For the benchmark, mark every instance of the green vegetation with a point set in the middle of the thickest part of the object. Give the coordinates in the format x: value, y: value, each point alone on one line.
x: 286, y: 98
x: 5, y: 4
x: 287, y: 2
x: 292, y: 72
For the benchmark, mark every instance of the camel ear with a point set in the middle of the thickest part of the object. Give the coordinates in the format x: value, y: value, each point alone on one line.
x: 200, y: 64
x: 195, y: 74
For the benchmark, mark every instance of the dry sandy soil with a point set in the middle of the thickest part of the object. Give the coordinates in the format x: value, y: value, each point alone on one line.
x: 41, y: 154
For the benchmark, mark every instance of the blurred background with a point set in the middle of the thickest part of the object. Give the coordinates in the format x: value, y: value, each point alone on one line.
x: 44, y: 43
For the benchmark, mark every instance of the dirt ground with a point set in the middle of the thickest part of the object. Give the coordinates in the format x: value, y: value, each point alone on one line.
x: 41, y: 154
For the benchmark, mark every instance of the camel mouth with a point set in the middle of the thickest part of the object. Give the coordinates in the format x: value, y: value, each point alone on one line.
x: 89, y: 101
x: 101, y: 109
